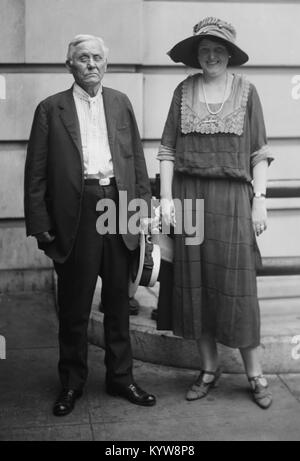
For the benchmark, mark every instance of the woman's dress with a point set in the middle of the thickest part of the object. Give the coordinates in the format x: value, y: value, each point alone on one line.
x: 214, y: 282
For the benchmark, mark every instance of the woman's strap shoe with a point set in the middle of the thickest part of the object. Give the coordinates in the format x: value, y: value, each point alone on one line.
x: 200, y: 388
x: 261, y: 393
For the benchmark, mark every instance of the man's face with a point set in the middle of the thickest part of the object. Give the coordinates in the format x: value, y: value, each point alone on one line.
x: 88, y: 64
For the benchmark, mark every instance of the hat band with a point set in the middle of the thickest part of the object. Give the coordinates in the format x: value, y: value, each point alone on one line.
x: 211, y: 30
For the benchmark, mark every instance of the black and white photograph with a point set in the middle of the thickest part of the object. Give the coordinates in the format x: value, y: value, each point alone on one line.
x: 149, y: 223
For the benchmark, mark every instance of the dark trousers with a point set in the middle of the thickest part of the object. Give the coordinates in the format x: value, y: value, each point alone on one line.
x: 92, y: 255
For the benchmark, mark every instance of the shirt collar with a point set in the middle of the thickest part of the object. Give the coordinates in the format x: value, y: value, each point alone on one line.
x: 82, y: 94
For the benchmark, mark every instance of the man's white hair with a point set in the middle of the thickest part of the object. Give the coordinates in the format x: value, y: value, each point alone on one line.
x: 83, y: 38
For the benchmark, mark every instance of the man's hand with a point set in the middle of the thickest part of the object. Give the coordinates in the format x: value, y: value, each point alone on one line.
x: 259, y: 215
x: 44, y: 237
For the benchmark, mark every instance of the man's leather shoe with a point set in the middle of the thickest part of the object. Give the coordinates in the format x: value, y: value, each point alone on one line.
x: 65, y: 402
x: 133, y: 393
x: 154, y: 314
x: 134, y: 306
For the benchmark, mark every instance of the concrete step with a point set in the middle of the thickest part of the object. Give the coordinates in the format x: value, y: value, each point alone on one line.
x: 280, y: 331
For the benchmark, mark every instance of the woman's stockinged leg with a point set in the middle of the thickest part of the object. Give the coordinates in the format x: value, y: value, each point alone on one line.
x: 250, y: 356
x: 210, y: 372
x: 207, y: 347
x: 261, y: 394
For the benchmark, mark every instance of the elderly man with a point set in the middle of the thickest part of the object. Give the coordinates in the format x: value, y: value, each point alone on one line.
x: 85, y: 146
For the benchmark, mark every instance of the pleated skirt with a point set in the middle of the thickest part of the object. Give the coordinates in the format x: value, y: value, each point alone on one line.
x: 214, y: 286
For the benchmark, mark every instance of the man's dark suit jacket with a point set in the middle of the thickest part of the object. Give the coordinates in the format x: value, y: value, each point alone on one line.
x: 54, y: 177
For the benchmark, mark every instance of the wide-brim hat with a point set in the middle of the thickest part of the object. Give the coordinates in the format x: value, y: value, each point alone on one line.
x: 185, y: 51
x: 145, y: 264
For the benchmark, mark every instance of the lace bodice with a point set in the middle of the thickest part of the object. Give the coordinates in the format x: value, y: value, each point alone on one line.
x: 196, y: 118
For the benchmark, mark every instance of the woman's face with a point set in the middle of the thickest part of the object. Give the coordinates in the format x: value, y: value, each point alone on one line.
x: 213, y: 57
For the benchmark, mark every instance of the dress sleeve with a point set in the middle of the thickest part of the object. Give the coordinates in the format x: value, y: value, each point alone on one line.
x: 259, y: 145
x: 166, y: 153
x: 172, y: 126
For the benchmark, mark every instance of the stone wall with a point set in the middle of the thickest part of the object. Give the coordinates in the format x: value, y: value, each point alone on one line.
x: 34, y: 35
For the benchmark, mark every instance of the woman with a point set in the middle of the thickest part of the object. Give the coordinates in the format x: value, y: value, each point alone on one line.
x: 214, y: 148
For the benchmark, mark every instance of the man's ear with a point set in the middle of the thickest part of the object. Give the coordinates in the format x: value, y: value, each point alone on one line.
x: 68, y: 66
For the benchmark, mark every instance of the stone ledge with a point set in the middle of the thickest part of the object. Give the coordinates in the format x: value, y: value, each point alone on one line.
x: 280, y: 324
x: 280, y: 318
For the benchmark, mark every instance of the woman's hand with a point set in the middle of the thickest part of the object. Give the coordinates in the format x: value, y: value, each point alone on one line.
x: 167, y: 212
x: 259, y: 215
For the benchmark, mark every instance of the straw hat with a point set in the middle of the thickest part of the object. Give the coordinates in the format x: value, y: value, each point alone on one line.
x: 145, y: 265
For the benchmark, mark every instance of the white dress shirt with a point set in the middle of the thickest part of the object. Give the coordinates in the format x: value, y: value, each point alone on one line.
x: 93, y: 129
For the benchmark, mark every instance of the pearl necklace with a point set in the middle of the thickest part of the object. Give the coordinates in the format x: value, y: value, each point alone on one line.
x: 223, y: 102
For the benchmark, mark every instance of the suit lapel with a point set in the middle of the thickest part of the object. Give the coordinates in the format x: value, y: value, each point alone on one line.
x: 70, y: 120
x: 111, y: 117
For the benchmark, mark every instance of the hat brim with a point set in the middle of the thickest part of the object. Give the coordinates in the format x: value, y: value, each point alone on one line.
x: 185, y: 51
x: 146, y: 275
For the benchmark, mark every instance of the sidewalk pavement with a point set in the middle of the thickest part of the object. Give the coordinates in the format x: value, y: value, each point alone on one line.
x: 29, y: 385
